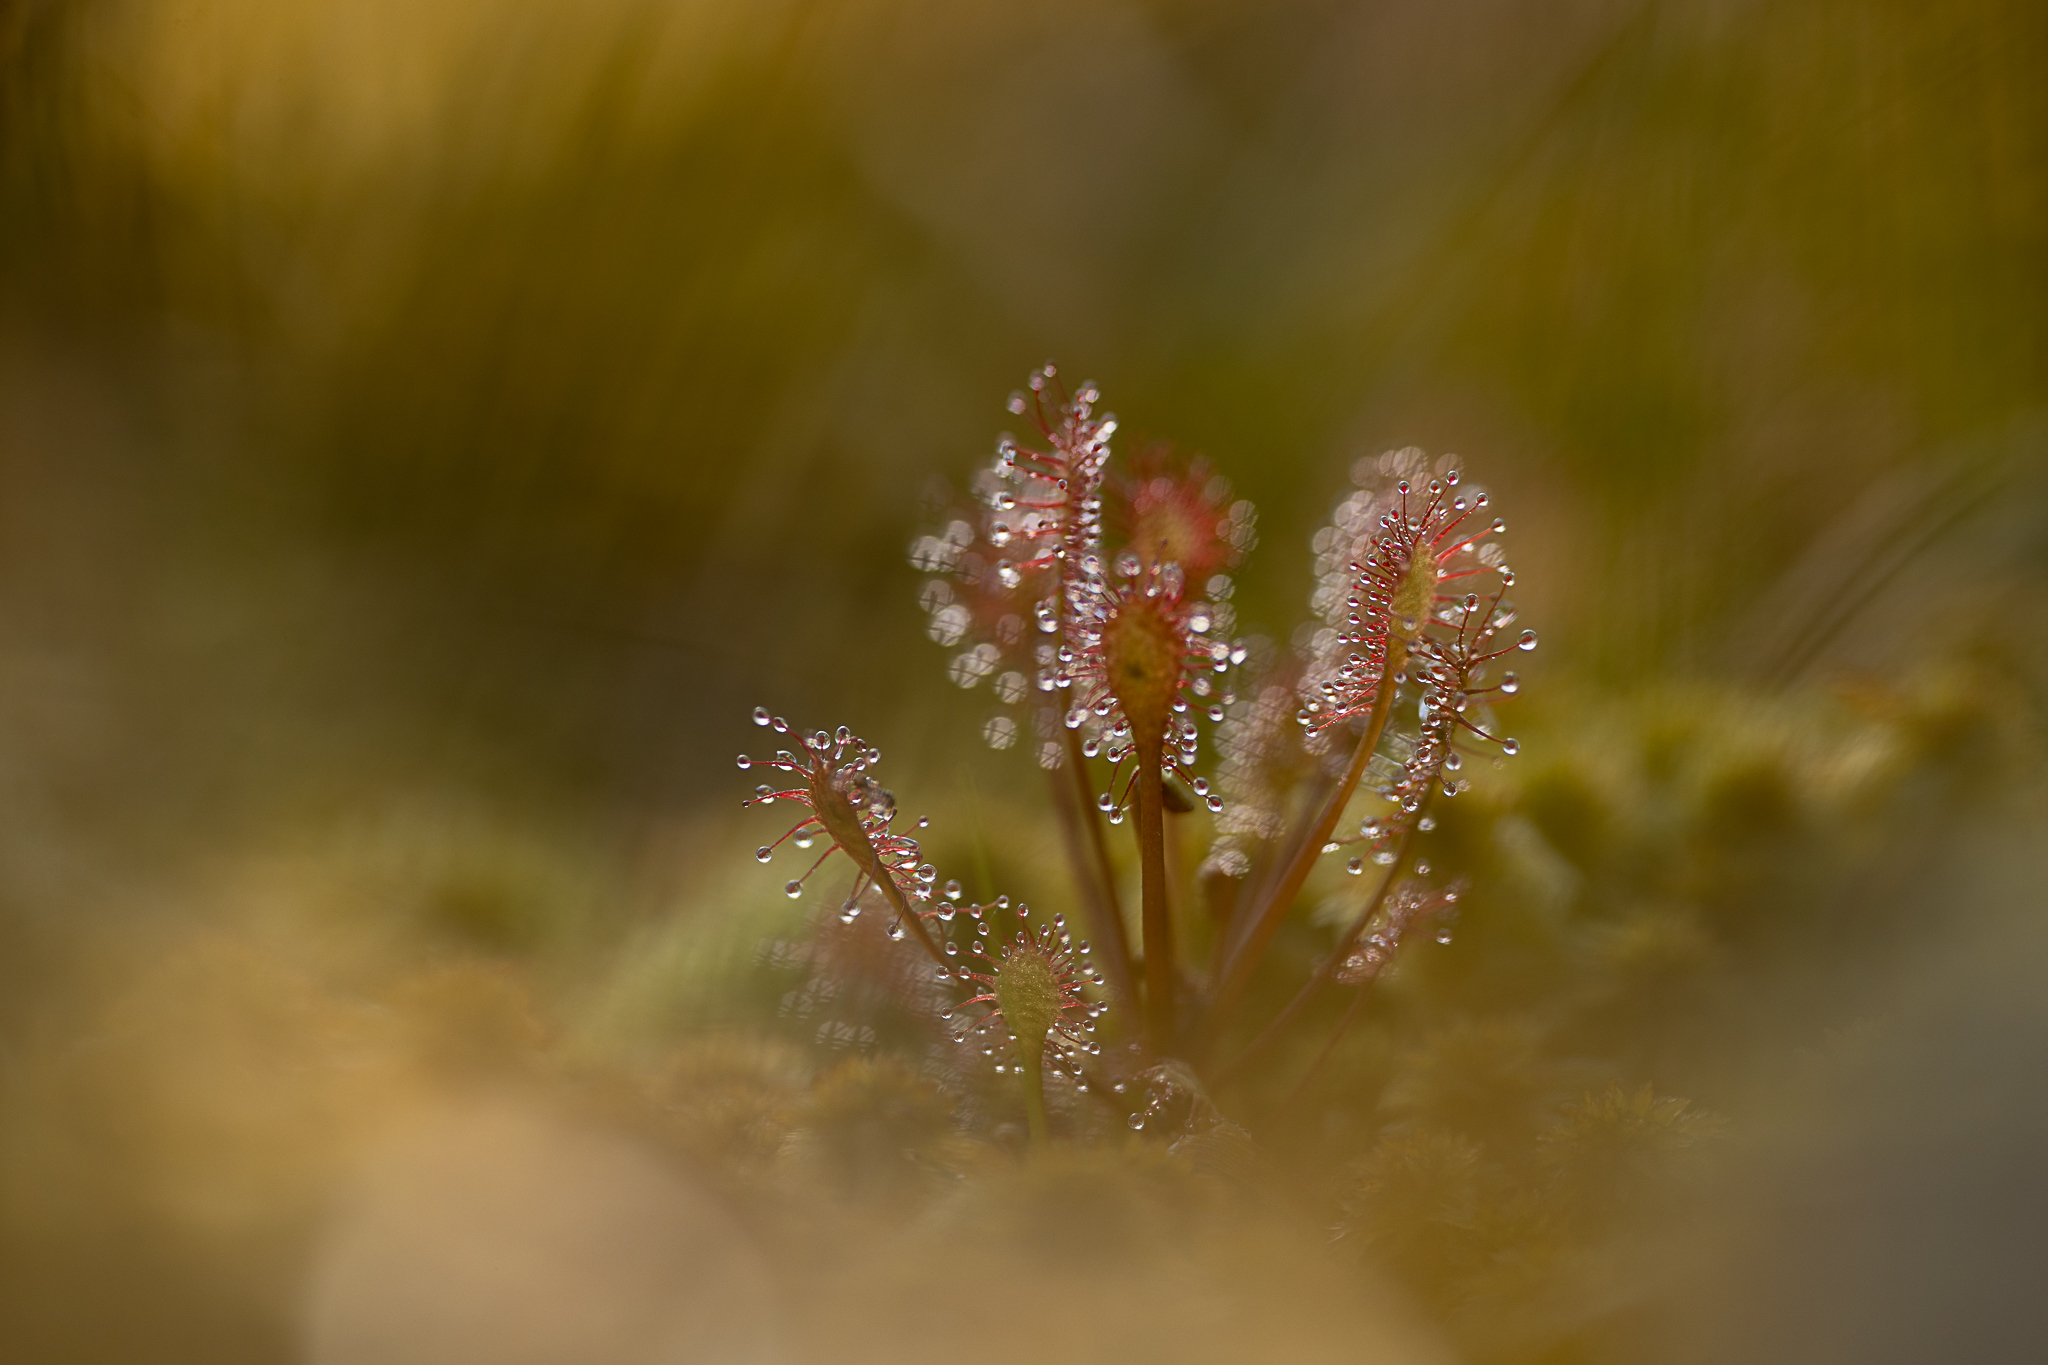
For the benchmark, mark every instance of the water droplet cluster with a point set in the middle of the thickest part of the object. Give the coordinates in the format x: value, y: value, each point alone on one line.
x: 1032, y: 585
x: 1070, y: 1017
x: 1124, y: 695
x: 1005, y: 585
x: 1393, y: 561
x: 1168, y: 1089
x: 1411, y: 903
x: 844, y: 805
x: 1412, y: 615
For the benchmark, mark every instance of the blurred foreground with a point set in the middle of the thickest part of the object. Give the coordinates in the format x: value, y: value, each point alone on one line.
x: 426, y: 429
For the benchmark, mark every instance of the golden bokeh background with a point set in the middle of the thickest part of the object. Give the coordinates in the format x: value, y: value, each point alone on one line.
x: 428, y: 428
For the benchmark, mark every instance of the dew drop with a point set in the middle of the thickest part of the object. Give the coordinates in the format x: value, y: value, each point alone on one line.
x: 952, y: 890
x: 1510, y: 684
x: 761, y: 716
x: 745, y: 763
x: 1137, y: 1121
x: 1528, y: 640
x: 1443, y: 935
x: 1355, y: 866
x: 793, y: 890
x: 763, y: 854
x: 1510, y: 747
x: 896, y: 930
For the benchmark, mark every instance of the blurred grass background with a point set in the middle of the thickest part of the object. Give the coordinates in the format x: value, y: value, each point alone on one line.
x: 427, y: 428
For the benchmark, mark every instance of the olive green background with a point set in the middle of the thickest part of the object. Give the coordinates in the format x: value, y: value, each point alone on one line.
x: 524, y: 390
x: 431, y: 426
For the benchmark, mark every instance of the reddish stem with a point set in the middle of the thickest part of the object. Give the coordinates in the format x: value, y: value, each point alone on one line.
x: 1244, y: 960
x: 879, y: 875
x: 1252, y: 892
x: 1322, y: 975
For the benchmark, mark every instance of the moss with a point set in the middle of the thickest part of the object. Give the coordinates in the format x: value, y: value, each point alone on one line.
x: 873, y: 1126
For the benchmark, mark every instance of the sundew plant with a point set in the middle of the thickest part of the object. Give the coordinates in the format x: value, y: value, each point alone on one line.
x: 1091, y: 598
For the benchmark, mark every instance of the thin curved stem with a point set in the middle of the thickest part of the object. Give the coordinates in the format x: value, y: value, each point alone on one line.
x: 1244, y: 960
x: 879, y: 875
x: 1322, y: 975
x: 1266, y: 871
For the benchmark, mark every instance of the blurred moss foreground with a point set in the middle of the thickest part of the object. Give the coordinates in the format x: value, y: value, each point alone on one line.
x: 427, y: 428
